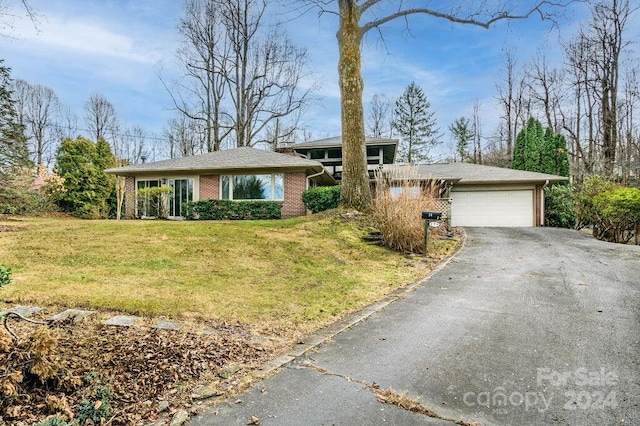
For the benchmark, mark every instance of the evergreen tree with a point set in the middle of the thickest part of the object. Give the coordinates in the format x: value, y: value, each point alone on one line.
x: 13, y: 143
x: 463, y: 135
x: 547, y: 152
x: 416, y: 125
x: 81, y: 163
x: 538, y: 150
x: 526, y: 152
x: 561, y: 156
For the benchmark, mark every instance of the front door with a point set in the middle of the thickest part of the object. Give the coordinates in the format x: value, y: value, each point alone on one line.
x: 182, y: 193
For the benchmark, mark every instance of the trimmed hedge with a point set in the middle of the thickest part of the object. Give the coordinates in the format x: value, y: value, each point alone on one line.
x: 321, y: 198
x: 233, y: 210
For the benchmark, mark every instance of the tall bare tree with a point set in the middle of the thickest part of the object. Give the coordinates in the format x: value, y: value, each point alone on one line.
x: 184, y: 137
x: 607, y: 31
x: 379, y: 119
x: 595, y: 56
x: 545, y: 88
x: 244, y: 76
x: 356, y: 18
x: 99, y: 116
x: 39, y: 112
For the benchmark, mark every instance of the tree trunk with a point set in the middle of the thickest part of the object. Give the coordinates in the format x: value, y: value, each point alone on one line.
x: 356, y: 193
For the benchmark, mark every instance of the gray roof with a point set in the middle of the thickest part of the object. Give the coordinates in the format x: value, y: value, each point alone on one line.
x: 230, y: 159
x: 474, y: 174
x: 336, y: 141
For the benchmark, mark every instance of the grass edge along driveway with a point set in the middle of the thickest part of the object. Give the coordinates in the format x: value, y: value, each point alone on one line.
x: 279, y: 275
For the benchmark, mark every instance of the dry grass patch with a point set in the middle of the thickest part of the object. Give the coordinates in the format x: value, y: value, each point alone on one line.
x: 279, y: 275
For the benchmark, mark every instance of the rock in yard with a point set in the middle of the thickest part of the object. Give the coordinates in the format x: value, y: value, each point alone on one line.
x: 163, y: 406
x: 229, y: 370
x: 205, y: 392
x: 179, y: 418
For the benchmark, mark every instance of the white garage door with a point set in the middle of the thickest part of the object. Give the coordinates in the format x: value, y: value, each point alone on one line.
x: 492, y: 208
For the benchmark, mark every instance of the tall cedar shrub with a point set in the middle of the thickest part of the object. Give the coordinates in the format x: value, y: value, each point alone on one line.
x: 540, y: 150
x: 321, y: 198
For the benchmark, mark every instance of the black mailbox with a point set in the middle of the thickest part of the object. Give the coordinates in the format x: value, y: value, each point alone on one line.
x: 431, y: 215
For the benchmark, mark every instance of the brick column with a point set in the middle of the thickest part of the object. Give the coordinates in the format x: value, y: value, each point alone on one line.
x: 209, y: 187
x: 295, y: 184
x: 130, y: 197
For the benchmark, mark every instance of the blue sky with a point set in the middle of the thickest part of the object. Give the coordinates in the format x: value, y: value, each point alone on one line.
x: 118, y: 47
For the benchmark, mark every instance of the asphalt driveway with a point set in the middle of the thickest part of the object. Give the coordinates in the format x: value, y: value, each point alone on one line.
x: 531, y: 326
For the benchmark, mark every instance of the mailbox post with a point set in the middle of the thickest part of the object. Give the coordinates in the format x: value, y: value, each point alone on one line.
x: 430, y: 219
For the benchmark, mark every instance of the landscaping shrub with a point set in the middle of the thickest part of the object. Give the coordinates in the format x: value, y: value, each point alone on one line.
x: 233, y: 210
x: 29, y: 190
x: 618, y: 214
x: 5, y: 275
x: 612, y: 211
x: 321, y: 198
x: 586, y: 214
x: 559, y: 208
x: 398, y: 207
x: 153, y: 201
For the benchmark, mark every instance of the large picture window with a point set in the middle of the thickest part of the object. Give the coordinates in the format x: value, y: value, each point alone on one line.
x: 252, y: 187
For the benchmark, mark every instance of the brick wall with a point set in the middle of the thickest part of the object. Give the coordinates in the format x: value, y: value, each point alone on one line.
x: 130, y: 197
x: 539, y: 193
x: 294, y: 185
x: 209, y: 187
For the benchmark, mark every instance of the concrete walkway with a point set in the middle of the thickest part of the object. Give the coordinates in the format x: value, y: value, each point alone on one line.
x: 528, y: 326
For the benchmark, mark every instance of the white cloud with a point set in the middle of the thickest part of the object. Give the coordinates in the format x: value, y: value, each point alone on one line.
x: 79, y: 36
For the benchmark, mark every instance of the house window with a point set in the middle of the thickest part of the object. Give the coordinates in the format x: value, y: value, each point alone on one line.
x: 317, y: 154
x: 410, y: 191
x: 148, y: 205
x: 334, y: 153
x: 252, y: 187
x: 182, y: 193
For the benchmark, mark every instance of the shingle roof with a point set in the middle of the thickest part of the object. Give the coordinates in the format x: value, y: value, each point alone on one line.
x: 336, y: 141
x: 230, y: 159
x: 468, y: 173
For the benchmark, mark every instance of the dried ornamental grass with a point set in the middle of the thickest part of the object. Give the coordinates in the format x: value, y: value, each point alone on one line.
x: 401, y: 199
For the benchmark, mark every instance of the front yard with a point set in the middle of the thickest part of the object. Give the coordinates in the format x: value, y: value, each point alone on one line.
x: 276, y: 280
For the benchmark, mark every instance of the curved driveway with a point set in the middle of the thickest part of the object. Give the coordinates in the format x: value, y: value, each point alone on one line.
x: 531, y: 326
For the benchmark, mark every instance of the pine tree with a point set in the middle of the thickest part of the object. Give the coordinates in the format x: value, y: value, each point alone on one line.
x: 463, y: 134
x: 416, y: 125
x: 13, y: 143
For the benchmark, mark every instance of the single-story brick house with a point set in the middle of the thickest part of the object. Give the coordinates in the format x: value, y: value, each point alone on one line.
x: 478, y: 195
x: 215, y: 175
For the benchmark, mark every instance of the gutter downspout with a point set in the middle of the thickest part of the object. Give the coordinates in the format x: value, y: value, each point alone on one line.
x: 542, y: 202
x: 314, y: 175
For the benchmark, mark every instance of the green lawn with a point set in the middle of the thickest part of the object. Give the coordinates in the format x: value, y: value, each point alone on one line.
x: 299, y: 273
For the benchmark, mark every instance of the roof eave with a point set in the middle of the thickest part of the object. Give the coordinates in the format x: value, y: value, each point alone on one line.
x: 123, y: 171
x: 512, y: 181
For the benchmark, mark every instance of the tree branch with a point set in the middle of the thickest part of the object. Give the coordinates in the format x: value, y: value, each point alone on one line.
x: 462, y: 20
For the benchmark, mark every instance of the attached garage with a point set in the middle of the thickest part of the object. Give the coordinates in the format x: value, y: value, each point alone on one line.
x: 493, y: 207
x: 484, y: 195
